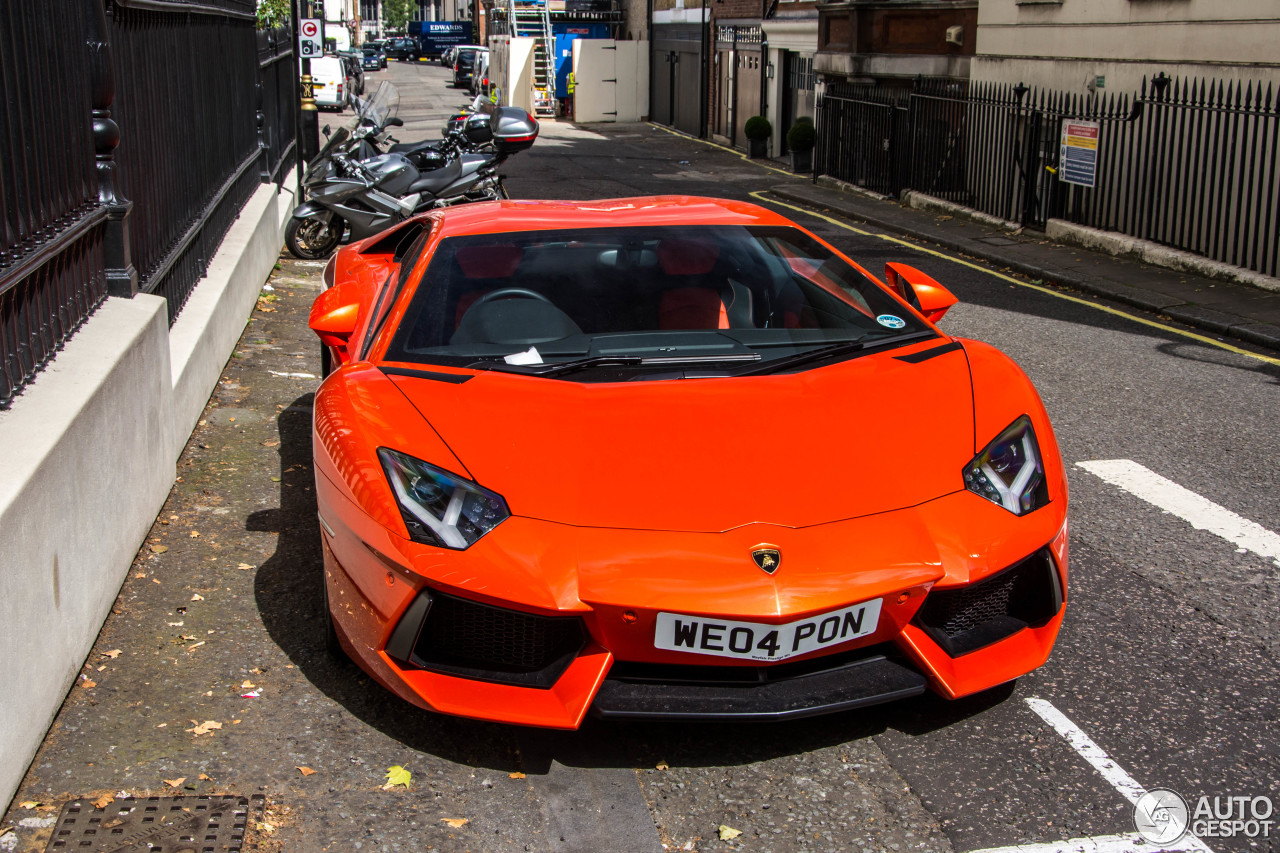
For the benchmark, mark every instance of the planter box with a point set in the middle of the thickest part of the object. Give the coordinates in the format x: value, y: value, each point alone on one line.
x: 802, y: 161
x: 758, y: 148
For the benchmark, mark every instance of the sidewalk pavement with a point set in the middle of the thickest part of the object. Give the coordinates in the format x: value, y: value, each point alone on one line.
x: 1220, y: 307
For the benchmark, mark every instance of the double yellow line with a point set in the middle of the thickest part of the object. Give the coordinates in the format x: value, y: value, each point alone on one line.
x: 916, y: 247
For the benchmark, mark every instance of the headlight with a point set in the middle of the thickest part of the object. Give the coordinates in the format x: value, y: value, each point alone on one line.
x: 439, y: 508
x: 1009, y: 472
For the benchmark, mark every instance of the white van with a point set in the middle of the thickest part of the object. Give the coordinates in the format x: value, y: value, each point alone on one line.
x: 329, y: 82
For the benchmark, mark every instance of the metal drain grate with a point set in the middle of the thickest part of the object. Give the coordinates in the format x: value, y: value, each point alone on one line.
x: 155, y: 825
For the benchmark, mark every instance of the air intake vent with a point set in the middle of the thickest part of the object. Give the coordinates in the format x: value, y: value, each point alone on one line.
x: 487, y: 643
x: 965, y: 619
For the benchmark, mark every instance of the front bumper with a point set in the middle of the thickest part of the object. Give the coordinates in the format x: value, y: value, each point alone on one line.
x: 540, y: 624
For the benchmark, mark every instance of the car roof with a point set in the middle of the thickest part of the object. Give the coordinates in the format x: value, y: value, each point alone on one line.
x: 527, y: 215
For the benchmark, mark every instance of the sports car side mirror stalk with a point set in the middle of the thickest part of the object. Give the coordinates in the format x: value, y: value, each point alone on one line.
x: 333, y: 317
x: 921, y: 291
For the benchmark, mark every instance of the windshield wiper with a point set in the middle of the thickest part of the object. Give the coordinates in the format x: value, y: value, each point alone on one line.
x: 831, y: 351
x: 560, y: 368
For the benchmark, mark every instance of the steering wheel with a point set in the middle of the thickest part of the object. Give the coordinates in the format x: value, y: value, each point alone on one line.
x: 505, y: 292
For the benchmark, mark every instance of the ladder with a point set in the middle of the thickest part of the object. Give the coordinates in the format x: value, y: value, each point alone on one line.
x: 530, y: 19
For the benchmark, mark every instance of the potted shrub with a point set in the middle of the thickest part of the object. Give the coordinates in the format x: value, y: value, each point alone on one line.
x: 758, y: 130
x: 800, y: 141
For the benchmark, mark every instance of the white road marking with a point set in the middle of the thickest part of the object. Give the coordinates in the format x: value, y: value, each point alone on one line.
x: 1133, y: 843
x: 1201, y: 513
x: 1126, y: 785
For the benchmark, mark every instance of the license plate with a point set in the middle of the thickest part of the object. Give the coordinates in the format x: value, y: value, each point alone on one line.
x: 678, y: 632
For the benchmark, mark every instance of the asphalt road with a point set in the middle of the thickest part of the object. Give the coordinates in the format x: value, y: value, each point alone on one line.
x: 1165, y: 675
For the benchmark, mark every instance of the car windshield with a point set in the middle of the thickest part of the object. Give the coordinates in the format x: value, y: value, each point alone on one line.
x: 610, y: 303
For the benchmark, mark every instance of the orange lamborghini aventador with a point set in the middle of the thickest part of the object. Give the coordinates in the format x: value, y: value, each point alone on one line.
x: 671, y: 457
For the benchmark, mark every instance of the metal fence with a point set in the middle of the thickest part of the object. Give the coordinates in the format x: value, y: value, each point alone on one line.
x: 132, y: 133
x: 1185, y: 163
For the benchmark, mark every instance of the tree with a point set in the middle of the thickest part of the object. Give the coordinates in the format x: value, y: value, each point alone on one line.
x: 395, y: 14
x: 272, y: 13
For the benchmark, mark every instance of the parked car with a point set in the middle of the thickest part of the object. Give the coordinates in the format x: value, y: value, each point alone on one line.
x: 373, y: 59
x: 464, y: 65
x: 447, y: 58
x: 402, y: 48
x: 331, y: 85
x: 354, y: 61
x: 480, y: 75
x: 686, y: 518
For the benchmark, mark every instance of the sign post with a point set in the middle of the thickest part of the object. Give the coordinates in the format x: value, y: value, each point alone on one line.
x: 1078, y: 155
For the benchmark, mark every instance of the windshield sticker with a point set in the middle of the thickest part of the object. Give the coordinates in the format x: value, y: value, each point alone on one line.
x: 891, y: 321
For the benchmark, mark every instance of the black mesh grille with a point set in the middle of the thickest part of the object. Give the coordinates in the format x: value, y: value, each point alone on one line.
x: 966, y: 609
x: 965, y: 619
x: 496, y: 644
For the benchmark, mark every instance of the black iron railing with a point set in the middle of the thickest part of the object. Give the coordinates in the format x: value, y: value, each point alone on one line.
x: 1188, y: 164
x: 131, y: 135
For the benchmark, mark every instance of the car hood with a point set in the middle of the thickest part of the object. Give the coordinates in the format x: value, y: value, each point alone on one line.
x: 868, y: 435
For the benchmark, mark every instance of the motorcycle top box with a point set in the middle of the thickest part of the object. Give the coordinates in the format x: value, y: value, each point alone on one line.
x: 513, y: 130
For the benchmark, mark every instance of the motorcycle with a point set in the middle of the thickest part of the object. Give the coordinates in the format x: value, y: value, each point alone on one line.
x: 366, y: 196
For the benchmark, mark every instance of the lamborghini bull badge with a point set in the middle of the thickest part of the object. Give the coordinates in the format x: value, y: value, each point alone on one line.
x: 767, y: 558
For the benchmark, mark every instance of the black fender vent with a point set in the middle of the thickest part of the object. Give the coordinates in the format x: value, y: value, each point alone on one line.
x: 967, y: 618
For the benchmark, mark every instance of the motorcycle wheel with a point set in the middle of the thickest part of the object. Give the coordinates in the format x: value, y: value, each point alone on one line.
x: 312, y: 239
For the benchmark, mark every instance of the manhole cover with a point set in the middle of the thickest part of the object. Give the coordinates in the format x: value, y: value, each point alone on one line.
x: 155, y: 825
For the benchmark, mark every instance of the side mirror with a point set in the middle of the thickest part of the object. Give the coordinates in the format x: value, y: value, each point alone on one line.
x: 921, y: 292
x: 394, y: 121
x: 334, y: 315
x: 326, y: 131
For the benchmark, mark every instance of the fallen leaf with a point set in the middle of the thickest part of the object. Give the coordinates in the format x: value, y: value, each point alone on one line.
x: 270, y: 443
x: 306, y: 771
x: 29, y: 804
x: 244, y: 567
x: 197, y: 597
x: 204, y: 728
x: 175, y: 783
x: 194, y: 646
x: 455, y: 822
x: 275, y: 479
x: 89, y: 685
x: 113, y: 823
x: 195, y: 534
x: 139, y: 574
x: 113, y: 654
x: 204, y: 777
x: 515, y: 775
x: 728, y: 833
x: 162, y: 725
x: 397, y: 776
x: 662, y: 765
x: 247, y: 685
x: 159, y: 549
x: 265, y: 827
x: 155, y: 580
x: 175, y: 624
x: 101, y: 668
x: 102, y: 802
